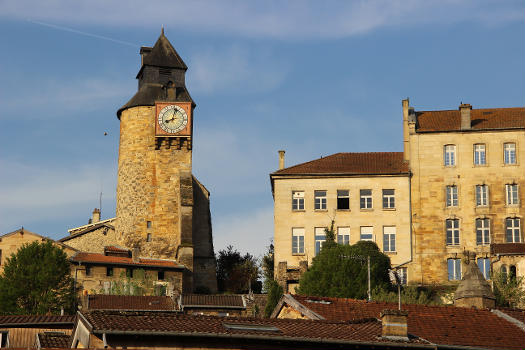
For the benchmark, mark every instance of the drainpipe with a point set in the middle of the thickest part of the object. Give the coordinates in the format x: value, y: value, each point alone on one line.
x: 410, y: 223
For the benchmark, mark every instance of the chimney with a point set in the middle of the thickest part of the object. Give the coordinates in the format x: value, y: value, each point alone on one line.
x: 135, y: 254
x: 394, y: 324
x: 281, y: 159
x: 465, y: 109
x: 406, y: 135
x: 96, y: 216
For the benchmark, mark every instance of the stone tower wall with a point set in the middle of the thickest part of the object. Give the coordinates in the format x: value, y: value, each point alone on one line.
x: 149, y: 186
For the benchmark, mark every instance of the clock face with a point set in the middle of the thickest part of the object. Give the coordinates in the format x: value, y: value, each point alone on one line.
x: 172, y: 119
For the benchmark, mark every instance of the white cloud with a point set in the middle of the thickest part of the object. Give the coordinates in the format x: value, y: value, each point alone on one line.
x: 70, y: 95
x: 31, y: 193
x: 248, y: 232
x: 280, y: 19
x: 233, y: 69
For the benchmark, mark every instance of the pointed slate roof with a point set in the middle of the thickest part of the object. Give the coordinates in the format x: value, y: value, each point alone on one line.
x: 164, y: 55
x: 473, y: 284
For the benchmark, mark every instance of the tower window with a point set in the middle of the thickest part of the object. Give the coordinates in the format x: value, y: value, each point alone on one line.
x: 160, y: 275
x: 148, y: 224
x: 148, y: 237
x: 452, y: 196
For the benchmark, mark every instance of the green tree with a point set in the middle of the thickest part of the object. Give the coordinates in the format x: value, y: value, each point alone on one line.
x: 37, y: 280
x: 341, y: 271
x: 140, y: 283
x: 275, y: 292
x: 509, y: 290
x: 237, y: 273
x: 268, y: 266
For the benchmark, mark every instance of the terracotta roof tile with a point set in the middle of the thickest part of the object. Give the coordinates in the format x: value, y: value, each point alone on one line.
x: 368, y: 330
x: 36, y: 319
x: 215, y: 300
x: 130, y: 302
x: 54, y: 340
x: 481, y: 119
x: 438, y: 324
x: 507, y: 248
x: 96, y: 258
x: 374, y: 163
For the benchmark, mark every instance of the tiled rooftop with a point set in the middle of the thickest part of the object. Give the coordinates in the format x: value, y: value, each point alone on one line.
x: 36, y: 319
x: 438, y: 324
x: 54, y: 340
x: 216, y: 300
x: 507, y: 248
x: 96, y: 258
x: 375, y: 163
x: 368, y: 330
x: 481, y: 119
x: 130, y: 302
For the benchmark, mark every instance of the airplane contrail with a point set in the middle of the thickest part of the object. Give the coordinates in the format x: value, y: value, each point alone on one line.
x: 83, y: 33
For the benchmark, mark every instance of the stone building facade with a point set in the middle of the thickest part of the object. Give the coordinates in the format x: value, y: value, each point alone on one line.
x: 363, y: 193
x: 458, y: 186
x: 468, y: 176
x: 162, y: 209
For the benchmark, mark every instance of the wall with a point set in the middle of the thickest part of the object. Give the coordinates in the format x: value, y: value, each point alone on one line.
x: 430, y: 177
x: 285, y: 218
x: 94, y: 241
x: 148, y: 187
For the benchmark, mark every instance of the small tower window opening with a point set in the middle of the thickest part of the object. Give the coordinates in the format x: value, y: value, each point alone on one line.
x: 160, y: 275
x: 148, y: 224
x: 148, y: 237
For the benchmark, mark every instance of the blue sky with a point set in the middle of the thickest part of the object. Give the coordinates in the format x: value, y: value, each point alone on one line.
x: 311, y: 77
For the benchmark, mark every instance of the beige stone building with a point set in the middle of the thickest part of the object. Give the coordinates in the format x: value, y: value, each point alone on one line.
x: 457, y: 186
x: 365, y: 194
x: 12, y: 241
x: 468, y: 169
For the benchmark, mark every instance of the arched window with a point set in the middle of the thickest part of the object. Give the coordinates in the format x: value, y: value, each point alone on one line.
x: 512, y: 272
x: 503, y: 272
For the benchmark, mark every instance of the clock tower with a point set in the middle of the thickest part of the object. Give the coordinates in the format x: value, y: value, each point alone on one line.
x: 162, y: 209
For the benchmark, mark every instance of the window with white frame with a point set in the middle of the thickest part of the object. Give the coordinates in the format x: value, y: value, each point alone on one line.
x: 367, y: 233
x: 320, y: 200
x: 482, y: 195
x: 479, y: 154
x: 389, y: 199
x: 513, y: 230
x: 482, y: 231
x: 389, y: 238
x: 452, y: 196
x: 343, y: 199
x: 297, y: 200
x: 509, y: 152
x: 449, y: 155
x: 484, y: 267
x: 298, y: 240
x: 365, y: 199
x: 452, y: 231
x: 512, y: 194
x: 454, y: 269
x: 320, y: 238
x: 402, y: 273
x: 343, y: 235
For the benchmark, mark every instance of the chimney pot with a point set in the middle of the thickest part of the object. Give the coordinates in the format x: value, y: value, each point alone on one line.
x: 465, y: 109
x: 394, y: 324
x: 281, y: 159
x: 135, y: 254
x: 96, y: 216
